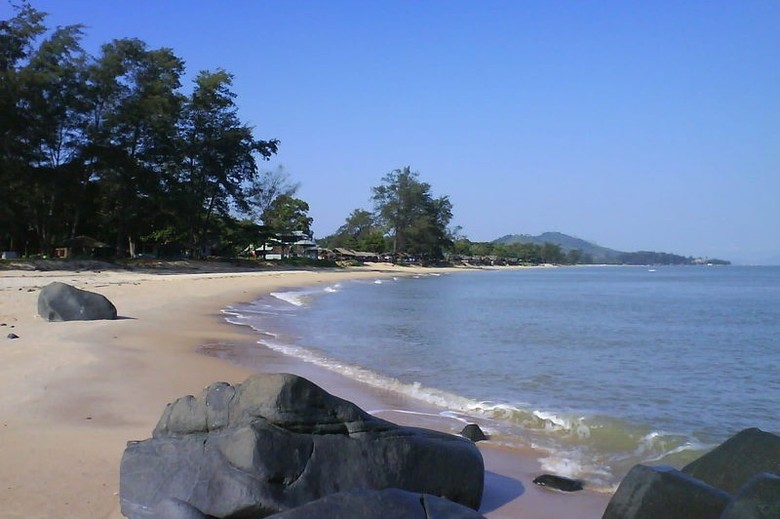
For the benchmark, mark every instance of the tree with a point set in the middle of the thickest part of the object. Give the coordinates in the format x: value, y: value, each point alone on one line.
x: 17, y: 44
x: 268, y: 186
x: 220, y: 156
x: 53, y: 95
x: 287, y: 215
x: 551, y: 253
x: 132, y: 131
x: 359, y: 225
x: 416, y: 222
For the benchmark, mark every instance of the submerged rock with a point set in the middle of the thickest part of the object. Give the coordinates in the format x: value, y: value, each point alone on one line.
x: 380, y: 504
x: 277, y: 442
x: 558, y: 483
x: 62, y: 302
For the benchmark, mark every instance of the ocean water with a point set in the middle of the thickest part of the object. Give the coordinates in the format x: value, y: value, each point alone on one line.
x: 599, y: 367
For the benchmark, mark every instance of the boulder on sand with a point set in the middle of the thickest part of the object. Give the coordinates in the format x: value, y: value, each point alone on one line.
x: 276, y: 442
x: 390, y: 503
x: 474, y: 433
x: 62, y: 302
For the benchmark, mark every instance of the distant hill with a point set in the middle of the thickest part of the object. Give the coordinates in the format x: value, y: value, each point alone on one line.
x: 593, y: 253
x: 598, y: 253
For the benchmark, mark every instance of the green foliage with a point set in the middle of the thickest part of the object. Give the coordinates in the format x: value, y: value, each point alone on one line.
x: 360, y: 231
x: 109, y: 146
x: 507, y: 253
x: 415, y: 221
x: 288, y: 214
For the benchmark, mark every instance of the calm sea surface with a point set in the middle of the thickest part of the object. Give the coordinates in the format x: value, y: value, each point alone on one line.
x: 601, y: 367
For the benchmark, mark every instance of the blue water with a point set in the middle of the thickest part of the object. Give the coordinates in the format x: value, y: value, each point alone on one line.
x: 600, y: 367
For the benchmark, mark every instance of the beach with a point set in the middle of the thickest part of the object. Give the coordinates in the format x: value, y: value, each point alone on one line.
x: 72, y: 394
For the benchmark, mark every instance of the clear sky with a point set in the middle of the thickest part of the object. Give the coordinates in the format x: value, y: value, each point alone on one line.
x: 633, y: 124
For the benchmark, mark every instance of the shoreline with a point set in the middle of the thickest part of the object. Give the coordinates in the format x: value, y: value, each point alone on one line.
x: 74, y: 393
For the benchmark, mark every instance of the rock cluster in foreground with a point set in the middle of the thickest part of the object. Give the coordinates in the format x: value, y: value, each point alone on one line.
x: 278, y: 442
x: 740, y: 479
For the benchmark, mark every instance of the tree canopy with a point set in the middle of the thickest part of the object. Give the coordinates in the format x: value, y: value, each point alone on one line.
x: 415, y: 221
x: 112, y: 147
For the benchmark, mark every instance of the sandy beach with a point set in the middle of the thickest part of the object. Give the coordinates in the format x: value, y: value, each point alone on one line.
x: 72, y: 394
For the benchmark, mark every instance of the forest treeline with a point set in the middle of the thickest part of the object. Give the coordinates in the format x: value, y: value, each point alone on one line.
x: 110, y: 146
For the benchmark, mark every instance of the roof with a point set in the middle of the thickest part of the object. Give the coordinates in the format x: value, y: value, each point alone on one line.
x: 87, y: 242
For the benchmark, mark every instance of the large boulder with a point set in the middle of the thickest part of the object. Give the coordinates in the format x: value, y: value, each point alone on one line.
x: 733, y: 463
x: 390, y: 503
x: 277, y: 442
x: 62, y: 302
x: 759, y: 499
x: 655, y: 492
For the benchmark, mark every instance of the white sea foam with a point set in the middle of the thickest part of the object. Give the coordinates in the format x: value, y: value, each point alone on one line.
x: 294, y: 298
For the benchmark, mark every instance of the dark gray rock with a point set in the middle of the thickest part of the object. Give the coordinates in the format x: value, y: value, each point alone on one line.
x: 734, y: 462
x: 558, y: 483
x: 473, y: 432
x: 177, y: 509
x: 390, y: 503
x: 663, y: 492
x: 62, y: 302
x: 12, y: 336
x: 277, y: 442
x: 759, y: 499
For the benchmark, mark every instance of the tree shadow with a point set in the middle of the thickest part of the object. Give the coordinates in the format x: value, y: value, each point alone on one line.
x: 499, y: 490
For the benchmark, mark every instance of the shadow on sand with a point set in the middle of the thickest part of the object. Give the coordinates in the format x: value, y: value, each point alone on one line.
x: 499, y: 490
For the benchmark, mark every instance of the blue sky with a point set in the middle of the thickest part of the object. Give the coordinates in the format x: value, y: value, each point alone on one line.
x: 636, y: 125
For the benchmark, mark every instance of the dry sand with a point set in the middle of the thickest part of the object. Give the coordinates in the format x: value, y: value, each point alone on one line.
x: 72, y: 394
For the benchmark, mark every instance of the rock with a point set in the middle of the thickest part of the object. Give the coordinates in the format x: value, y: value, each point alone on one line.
x: 276, y: 442
x: 177, y: 509
x: 734, y: 462
x: 61, y: 302
x: 390, y: 503
x: 473, y: 433
x: 558, y: 483
x: 759, y: 499
x: 12, y: 336
x: 655, y: 492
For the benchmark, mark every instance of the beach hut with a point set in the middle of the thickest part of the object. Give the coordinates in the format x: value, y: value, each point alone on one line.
x: 83, y: 246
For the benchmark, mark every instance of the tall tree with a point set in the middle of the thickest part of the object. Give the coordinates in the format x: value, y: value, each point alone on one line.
x: 134, y: 110
x: 18, y: 35
x: 53, y: 99
x: 220, y: 156
x: 415, y: 221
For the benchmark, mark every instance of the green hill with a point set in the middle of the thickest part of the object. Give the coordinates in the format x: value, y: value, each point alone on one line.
x: 593, y: 253
x: 597, y: 253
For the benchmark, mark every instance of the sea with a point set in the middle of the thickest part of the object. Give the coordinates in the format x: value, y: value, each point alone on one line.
x: 599, y: 368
